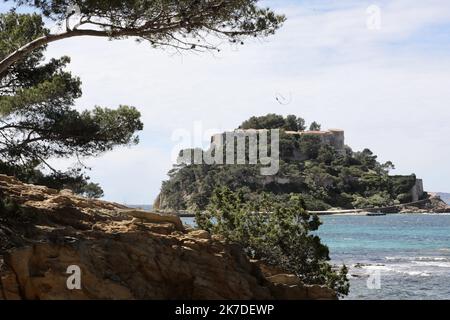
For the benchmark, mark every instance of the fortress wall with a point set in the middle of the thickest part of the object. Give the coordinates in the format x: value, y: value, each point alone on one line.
x: 332, y: 137
x: 417, y: 190
x: 338, y: 139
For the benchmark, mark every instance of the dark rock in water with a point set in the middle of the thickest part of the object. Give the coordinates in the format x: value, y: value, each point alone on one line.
x: 360, y: 265
x: 358, y: 276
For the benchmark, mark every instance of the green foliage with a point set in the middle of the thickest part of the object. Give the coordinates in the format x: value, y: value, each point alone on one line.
x: 37, y: 119
x: 378, y: 200
x: 274, y: 121
x: 366, y: 158
x: 277, y: 233
x: 404, y: 198
x: 292, y: 123
x: 309, y: 147
x: 11, y: 211
x: 402, y: 184
x: 182, y: 24
x: 17, y: 30
x: 270, y: 121
x: 313, y: 203
x: 8, y: 206
x: 315, y: 127
x: 326, y: 154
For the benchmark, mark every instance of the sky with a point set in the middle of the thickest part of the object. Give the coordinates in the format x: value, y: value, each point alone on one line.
x: 387, y: 87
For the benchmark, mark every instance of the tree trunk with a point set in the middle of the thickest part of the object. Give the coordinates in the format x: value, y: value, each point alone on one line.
x: 14, y: 57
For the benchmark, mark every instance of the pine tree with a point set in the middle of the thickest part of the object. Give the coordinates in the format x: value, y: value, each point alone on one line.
x: 37, y: 121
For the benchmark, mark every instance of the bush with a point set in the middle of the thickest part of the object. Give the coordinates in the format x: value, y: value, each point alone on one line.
x: 277, y: 233
x: 381, y: 199
x: 404, y: 198
x: 314, y: 204
x: 403, y: 184
x: 12, y: 212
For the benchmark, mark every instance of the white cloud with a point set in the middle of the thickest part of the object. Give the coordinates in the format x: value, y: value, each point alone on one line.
x: 131, y: 175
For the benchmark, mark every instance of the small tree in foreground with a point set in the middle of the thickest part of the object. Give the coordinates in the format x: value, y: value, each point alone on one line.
x: 279, y: 234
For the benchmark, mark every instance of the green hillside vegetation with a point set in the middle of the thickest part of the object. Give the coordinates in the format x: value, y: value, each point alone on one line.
x: 324, y: 178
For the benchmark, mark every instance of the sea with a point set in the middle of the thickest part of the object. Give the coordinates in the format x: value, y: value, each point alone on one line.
x: 390, y: 257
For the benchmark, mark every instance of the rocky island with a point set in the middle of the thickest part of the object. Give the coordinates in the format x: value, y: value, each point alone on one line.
x: 314, y: 164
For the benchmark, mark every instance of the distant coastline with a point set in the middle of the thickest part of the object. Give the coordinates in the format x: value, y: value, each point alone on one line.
x: 433, y: 204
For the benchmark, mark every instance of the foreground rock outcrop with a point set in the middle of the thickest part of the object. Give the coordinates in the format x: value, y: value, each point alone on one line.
x: 122, y: 253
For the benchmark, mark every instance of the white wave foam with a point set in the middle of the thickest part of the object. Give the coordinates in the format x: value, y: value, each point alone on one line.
x: 431, y: 259
x: 376, y: 267
x: 407, y: 270
x: 416, y: 259
x: 417, y: 273
x: 395, y: 258
x: 436, y: 264
x: 422, y: 266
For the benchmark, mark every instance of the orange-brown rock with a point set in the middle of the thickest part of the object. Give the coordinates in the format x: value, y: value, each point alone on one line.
x: 122, y: 253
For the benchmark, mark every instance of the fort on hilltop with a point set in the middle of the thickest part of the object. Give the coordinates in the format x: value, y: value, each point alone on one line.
x: 319, y: 166
x: 332, y: 137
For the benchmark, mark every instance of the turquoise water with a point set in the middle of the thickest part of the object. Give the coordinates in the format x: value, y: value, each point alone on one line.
x: 409, y: 254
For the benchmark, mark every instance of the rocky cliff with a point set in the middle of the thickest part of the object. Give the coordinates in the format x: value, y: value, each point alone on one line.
x: 122, y: 254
